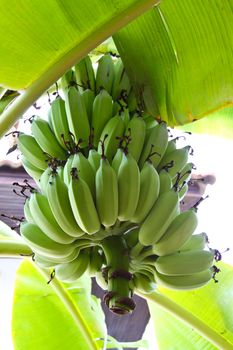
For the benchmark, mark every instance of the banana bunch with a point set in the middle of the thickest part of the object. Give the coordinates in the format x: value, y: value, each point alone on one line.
x: 110, y: 181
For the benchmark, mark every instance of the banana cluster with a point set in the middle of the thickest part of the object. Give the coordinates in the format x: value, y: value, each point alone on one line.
x: 110, y: 184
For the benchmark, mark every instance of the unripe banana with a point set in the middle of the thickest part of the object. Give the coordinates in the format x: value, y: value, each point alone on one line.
x: 27, y: 212
x: 156, y: 141
x: 132, y: 101
x: 128, y: 187
x: 105, y: 74
x: 114, y: 129
x: 165, y: 181
x: 182, y: 192
x: 136, y: 130
x: 43, y: 217
x: 32, y: 151
x: 44, y: 180
x: 84, y: 74
x: 116, y: 162
x: 46, y: 138
x: 58, y: 122
x: 73, y: 270
x: 96, y: 261
x: 195, y: 242
x: 175, y: 161
x: 101, y: 113
x: 106, y: 193
x: 42, y: 244
x: 31, y: 169
x: 67, y: 80
x: 171, y: 146
x: 57, y: 194
x: 67, y: 170
x: 185, y: 262
x: 101, y: 281
x: 178, y: 232
x: 94, y: 159
x: 186, y: 282
x: 50, y: 262
x: 149, y: 192
x: 77, y: 116
x: 143, y: 283
x: 83, y: 206
x: 85, y: 171
x: 131, y: 237
x: 88, y: 97
x: 165, y: 209
x: 121, y: 83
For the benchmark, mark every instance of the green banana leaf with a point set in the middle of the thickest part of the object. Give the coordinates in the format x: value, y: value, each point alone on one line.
x: 212, y: 305
x: 179, y: 56
x: 45, y: 38
x: 41, y: 321
x: 219, y: 123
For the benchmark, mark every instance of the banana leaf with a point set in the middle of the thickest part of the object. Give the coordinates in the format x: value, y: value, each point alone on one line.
x: 182, y: 58
x: 44, y: 39
x: 203, y: 317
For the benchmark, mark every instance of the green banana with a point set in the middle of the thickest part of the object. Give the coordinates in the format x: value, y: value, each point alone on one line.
x: 84, y: 74
x: 182, y: 192
x: 132, y: 102
x: 57, y: 194
x: 178, y: 232
x: 82, y: 204
x: 88, y: 97
x: 149, y: 192
x: 105, y: 74
x: 136, y: 130
x: 94, y: 159
x: 50, y: 262
x: 106, y: 193
x: 43, y: 218
x: 44, y: 179
x: 85, y: 171
x: 116, y: 162
x: 96, y: 261
x: 165, y: 209
x: 77, y: 116
x: 195, y: 242
x: 128, y: 187
x: 67, y: 170
x: 67, y: 80
x: 42, y: 244
x: 155, y: 144
x: 31, y: 169
x: 71, y: 271
x: 59, y: 124
x: 46, y: 139
x: 186, y: 282
x: 101, y: 113
x: 114, y: 130
x: 143, y: 283
x: 175, y: 161
x: 185, y: 262
x: 27, y: 212
x: 165, y: 181
x: 131, y: 237
x: 32, y: 151
x: 121, y: 83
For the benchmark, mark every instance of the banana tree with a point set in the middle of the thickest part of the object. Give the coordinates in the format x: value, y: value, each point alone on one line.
x: 179, y: 58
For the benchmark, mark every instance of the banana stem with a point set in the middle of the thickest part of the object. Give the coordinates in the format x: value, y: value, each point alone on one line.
x: 118, y: 298
x: 36, y: 89
x: 187, y: 317
x: 70, y: 306
x: 10, y: 248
